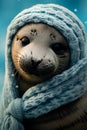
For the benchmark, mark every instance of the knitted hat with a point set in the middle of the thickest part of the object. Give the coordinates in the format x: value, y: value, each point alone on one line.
x: 70, y: 85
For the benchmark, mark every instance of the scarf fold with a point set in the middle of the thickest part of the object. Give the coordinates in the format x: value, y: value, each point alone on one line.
x: 43, y: 98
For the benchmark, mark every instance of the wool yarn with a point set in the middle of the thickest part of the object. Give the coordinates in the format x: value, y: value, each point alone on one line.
x: 60, y: 89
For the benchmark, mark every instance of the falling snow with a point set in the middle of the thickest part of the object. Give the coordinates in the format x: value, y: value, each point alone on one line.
x: 75, y: 10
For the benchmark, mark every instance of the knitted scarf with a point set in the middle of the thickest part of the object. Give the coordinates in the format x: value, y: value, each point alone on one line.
x: 55, y: 92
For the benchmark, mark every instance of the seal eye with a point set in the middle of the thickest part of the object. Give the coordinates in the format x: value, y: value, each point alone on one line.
x: 25, y: 41
x: 58, y: 48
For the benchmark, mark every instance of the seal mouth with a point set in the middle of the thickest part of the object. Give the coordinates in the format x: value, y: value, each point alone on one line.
x: 40, y: 72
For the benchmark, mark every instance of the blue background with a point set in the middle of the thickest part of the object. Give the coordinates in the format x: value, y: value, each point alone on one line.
x: 10, y: 8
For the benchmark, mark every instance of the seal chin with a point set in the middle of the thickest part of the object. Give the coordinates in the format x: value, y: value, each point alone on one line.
x: 30, y: 77
x: 37, y: 75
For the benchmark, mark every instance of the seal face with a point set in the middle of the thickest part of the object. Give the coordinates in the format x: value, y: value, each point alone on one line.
x: 39, y: 52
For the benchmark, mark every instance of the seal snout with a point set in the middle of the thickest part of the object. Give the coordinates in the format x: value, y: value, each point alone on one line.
x: 29, y: 66
x: 35, y: 67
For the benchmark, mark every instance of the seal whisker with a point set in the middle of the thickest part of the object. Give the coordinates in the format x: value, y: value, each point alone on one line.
x: 18, y: 53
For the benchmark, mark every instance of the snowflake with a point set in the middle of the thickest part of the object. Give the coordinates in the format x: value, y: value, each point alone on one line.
x: 75, y: 10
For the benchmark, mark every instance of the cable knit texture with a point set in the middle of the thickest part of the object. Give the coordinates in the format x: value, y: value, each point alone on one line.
x: 57, y: 91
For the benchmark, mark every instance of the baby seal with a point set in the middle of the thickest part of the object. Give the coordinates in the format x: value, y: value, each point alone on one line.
x: 39, y: 51
x: 45, y: 44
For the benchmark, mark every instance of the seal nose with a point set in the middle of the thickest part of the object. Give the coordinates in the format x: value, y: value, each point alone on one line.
x: 30, y: 66
x: 33, y: 67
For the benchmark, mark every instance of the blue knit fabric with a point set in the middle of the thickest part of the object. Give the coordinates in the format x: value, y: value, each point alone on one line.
x: 57, y: 91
